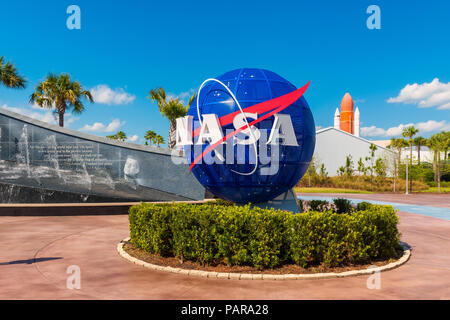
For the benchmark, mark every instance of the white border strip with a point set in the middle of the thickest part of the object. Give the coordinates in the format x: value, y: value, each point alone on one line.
x: 248, y: 276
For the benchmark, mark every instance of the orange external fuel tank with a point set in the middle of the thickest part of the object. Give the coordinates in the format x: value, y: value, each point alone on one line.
x: 347, y: 116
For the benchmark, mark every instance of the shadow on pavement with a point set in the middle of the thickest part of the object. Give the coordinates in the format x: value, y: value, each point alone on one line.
x: 29, y: 261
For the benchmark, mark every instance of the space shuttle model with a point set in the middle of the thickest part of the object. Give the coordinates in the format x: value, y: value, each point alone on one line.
x: 347, y: 120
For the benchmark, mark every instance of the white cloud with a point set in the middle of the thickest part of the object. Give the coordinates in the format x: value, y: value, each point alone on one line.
x: 69, y: 119
x: 45, y: 115
x: 105, y: 95
x: 432, y: 125
x: 100, y: 127
x: 424, y: 127
x: 372, y: 131
x: 425, y: 95
x: 133, y: 138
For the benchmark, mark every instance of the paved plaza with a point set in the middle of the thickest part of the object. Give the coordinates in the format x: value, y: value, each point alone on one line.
x: 35, y: 253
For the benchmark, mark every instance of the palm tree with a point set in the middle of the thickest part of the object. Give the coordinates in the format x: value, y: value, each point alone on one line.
x: 158, y: 140
x: 121, y: 136
x: 446, y: 145
x: 410, y: 132
x: 149, y: 137
x: 61, y: 93
x: 398, y: 145
x: 418, y: 142
x: 9, y: 77
x: 171, y: 109
x: 438, y: 142
x: 158, y: 95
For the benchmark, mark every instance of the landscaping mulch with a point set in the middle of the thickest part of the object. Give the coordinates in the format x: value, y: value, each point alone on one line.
x: 222, y: 267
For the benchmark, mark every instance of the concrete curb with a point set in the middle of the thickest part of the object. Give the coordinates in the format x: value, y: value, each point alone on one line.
x: 246, y: 276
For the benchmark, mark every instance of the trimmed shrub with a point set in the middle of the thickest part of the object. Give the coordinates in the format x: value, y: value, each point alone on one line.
x: 372, y: 233
x: 363, y: 206
x: 342, y: 205
x: 318, y: 205
x: 156, y: 236
x: 264, y: 238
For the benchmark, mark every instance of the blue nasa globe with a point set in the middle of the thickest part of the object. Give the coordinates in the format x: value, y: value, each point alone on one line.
x: 245, y: 175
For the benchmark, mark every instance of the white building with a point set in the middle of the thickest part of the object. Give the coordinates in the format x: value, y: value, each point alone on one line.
x: 426, y: 155
x: 334, y: 145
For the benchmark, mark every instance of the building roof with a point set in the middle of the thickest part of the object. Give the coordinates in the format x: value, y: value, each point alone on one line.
x: 351, y: 135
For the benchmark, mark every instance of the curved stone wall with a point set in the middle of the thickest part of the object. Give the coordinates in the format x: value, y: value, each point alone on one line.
x: 38, y: 155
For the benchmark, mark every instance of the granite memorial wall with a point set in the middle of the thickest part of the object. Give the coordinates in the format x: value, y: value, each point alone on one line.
x: 45, y: 158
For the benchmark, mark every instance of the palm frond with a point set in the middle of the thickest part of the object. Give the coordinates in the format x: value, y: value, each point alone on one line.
x: 192, y: 98
x: 9, y: 75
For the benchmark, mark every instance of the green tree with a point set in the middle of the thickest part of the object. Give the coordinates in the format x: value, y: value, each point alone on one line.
x: 9, y: 76
x: 380, y: 167
x: 121, y: 136
x: 361, y: 167
x: 398, y: 145
x: 171, y: 108
x: 371, y: 159
x: 159, y: 140
x: 437, y: 143
x: 149, y: 137
x: 312, y: 170
x: 419, y: 142
x: 446, y: 147
x: 409, y: 133
x: 323, y: 172
x: 61, y: 93
x: 348, y: 166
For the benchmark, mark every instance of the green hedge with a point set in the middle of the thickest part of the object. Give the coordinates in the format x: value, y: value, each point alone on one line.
x: 241, y: 235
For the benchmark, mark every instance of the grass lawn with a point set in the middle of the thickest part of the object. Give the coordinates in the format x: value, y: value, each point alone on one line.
x: 329, y: 190
x: 435, y: 189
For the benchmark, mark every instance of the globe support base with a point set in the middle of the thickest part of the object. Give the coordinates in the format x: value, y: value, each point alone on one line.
x: 286, y: 201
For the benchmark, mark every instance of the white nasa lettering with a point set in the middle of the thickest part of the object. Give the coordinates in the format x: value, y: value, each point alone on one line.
x: 210, y: 130
x: 184, y: 131
x: 239, y: 121
x: 283, y: 129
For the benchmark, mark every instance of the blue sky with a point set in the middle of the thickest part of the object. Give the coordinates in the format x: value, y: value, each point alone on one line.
x: 125, y: 48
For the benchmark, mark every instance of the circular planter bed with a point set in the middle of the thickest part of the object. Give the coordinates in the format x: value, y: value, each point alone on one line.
x: 221, y: 240
x: 287, y: 272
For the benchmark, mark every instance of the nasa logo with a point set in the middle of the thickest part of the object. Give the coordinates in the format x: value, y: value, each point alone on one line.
x: 249, y: 135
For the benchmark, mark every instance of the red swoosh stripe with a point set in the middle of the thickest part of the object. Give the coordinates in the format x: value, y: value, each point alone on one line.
x: 282, y: 102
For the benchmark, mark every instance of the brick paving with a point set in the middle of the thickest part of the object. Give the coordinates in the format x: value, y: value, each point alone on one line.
x: 35, y: 253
